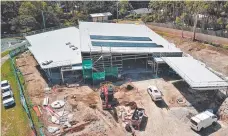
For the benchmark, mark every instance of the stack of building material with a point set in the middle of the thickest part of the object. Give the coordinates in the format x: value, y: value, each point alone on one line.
x: 223, y: 111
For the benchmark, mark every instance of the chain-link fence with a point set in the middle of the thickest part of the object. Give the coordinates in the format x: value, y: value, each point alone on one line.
x: 219, y: 33
x: 25, y: 101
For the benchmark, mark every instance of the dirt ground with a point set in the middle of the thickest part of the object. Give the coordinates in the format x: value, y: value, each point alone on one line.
x: 34, y: 81
x: 79, y: 101
x: 169, y: 118
x: 84, y: 104
x: 166, y: 118
x: 214, y: 57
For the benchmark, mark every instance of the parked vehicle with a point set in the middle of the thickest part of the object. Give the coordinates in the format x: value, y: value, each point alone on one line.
x: 203, y: 120
x: 7, y: 91
x: 155, y: 94
x: 4, y: 83
x: 7, y: 94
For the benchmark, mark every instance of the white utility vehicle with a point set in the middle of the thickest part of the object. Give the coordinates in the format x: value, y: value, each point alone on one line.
x: 203, y: 120
x: 155, y: 94
x: 7, y: 94
x: 4, y: 83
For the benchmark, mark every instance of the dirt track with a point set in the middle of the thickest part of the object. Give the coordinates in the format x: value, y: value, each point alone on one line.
x: 214, y: 57
x: 164, y: 120
x: 188, y: 34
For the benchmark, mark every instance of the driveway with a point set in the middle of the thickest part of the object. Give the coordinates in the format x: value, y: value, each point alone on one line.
x: 3, y: 59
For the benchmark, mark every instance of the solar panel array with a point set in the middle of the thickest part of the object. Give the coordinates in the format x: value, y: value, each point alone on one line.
x: 119, y: 38
x: 122, y: 41
x: 124, y: 44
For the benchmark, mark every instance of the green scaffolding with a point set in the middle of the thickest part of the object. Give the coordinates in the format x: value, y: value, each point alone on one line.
x: 88, y: 73
x: 87, y: 68
x: 111, y: 71
x: 98, y: 76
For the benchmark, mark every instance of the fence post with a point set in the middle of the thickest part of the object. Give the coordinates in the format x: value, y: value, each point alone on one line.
x: 22, y: 98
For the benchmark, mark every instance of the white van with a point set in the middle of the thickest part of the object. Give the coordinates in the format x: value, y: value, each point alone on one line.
x: 203, y: 120
x: 155, y: 94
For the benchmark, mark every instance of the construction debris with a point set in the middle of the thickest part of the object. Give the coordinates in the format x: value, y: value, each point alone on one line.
x: 45, y: 102
x: 72, y: 85
x: 55, y: 120
x: 52, y: 129
x: 75, y: 128
x: 129, y: 87
x: 223, y: 111
x: 57, y: 104
x: 180, y: 101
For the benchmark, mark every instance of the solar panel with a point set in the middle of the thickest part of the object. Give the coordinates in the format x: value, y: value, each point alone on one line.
x: 125, y: 44
x: 120, y: 38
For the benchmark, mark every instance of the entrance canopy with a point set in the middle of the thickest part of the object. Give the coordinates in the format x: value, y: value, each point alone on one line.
x: 195, y: 73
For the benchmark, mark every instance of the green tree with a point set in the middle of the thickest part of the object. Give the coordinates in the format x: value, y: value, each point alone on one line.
x: 179, y: 21
x: 40, y: 12
x: 9, y: 10
x: 196, y: 8
x: 124, y: 7
x: 27, y: 8
x: 24, y: 23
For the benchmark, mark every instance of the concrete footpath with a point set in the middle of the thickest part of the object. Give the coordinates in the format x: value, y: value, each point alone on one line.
x: 3, y: 59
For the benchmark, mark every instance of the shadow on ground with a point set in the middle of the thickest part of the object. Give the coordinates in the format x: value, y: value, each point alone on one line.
x: 200, y: 100
x: 209, y: 130
x: 161, y: 104
x: 11, y: 106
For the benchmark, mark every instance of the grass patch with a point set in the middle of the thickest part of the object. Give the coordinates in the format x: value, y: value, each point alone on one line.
x: 225, y: 47
x: 165, y: 34
x: 14, y: 120
x: 5, y: 53
x: 30, y: 105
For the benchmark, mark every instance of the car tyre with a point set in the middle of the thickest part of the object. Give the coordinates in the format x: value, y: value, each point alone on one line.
x: 202, y: 129
x: 214, y: 123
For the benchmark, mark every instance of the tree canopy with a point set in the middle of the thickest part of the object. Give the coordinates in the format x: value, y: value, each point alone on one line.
x: 22, y: 16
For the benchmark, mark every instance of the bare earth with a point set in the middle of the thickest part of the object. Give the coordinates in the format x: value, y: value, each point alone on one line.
x: 167, y: 118
x: 214, y: 57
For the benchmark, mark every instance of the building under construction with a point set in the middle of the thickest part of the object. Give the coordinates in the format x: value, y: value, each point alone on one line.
x: 97, y: 51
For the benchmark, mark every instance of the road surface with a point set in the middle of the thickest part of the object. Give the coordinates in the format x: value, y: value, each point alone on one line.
x: 3, y: 59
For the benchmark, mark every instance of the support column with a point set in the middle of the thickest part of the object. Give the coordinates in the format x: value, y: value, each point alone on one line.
x: 146, y: 62
x: 60, y: 71
x: 49, y: 72
x: 62, y: 76
x: 154, y: 66
x: 111, y: 60
x: 156, y: 69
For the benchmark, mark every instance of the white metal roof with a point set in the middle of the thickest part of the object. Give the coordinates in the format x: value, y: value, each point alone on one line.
x: 101, y: 14
x: 114, y: 29
x: 52, y: 46
x: 204, y: 115
x: 142, y: 11
x: 195, y: 73
x: 159, y: 60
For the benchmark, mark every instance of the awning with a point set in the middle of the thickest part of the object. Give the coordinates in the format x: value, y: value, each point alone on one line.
x: 195, y: 73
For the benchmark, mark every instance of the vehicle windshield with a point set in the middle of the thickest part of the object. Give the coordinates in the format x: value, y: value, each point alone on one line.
x: 5, y: 90
x: 4, y: 84
x: 6, y: 97
x: 193, y: 122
